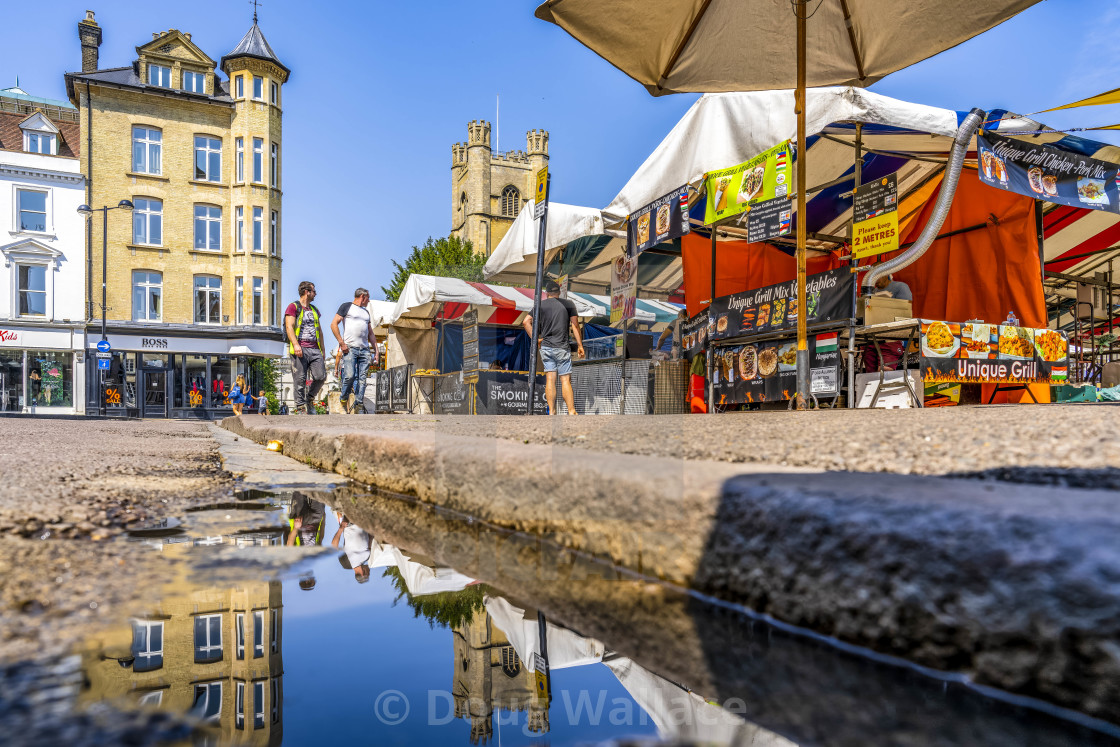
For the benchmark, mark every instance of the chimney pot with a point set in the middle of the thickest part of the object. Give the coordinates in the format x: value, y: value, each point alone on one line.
x: 89, y: 34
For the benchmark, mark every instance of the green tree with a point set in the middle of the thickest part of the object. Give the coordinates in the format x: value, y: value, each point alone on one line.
x: 450, y: 609
x: 449, y: 257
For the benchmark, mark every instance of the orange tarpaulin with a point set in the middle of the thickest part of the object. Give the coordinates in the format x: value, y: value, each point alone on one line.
x: 980, y: 274
x: 740, y: 266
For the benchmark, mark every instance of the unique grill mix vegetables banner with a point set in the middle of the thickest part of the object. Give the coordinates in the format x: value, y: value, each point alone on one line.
x: 992, y: 353
x: 1048, y: 173
x: 694, y: 333
x: 763, y: 177
x: 774, y: 307
x: 661, y: 220
x: 624, y: 288
x: 767, y: 372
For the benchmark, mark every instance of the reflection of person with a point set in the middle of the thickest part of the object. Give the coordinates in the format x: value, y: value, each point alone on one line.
x: 557, y: 316
x: 894, y: 288
x: 305, y: 345
x: 354, y: 340
x: 356, y: 544
x: 306, y: 518
x: 497, y: 366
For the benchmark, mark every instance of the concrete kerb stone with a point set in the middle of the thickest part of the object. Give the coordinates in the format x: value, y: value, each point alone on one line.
x: 1018, y: 585
x: 652, y: 515
x: 256, y: 467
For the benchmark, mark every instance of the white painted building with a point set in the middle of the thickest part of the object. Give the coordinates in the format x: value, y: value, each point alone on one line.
x: 42, y: 245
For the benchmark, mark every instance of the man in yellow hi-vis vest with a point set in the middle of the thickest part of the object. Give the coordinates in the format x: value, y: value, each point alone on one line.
x: 305, y: 345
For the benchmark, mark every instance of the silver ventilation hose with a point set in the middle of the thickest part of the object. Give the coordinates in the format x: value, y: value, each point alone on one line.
x: 965, y: 132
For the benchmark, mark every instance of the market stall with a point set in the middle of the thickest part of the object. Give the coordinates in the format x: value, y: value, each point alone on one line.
x: 980, y: 263
x: 459, y: 347
x: 619, y: 375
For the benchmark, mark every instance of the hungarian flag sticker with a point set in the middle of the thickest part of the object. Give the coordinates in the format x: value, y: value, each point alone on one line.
x: 826, y: 342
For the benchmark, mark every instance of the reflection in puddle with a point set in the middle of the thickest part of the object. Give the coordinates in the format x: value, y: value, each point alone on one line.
x: 378, y: 642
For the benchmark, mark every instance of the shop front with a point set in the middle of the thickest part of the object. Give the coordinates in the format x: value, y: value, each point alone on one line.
x: 42, y: 369
x: 176, y: 373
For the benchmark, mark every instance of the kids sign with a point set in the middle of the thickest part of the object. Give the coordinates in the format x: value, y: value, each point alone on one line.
x: 764, y: 177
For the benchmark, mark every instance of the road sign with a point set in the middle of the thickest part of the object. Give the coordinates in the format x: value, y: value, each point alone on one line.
x: 103, y: 364
x: 541, y: 197
x: 104, y: 346
x: 103, y: 356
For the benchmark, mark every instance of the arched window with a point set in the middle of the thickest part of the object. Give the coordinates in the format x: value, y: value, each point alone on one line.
x: 462, y: 206
x: 511, y: 201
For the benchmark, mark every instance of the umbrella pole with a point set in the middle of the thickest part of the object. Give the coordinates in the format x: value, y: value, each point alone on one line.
x: 802, y: 220
x: 711, y: 350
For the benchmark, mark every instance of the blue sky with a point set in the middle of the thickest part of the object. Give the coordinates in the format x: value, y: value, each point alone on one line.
x: 380, y: 91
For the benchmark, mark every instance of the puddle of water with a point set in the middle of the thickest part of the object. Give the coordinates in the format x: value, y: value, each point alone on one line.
x: 390, y: 638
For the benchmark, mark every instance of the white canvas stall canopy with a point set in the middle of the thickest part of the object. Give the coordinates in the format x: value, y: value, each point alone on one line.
x: 380, y: 312
x: 426, y: 299
x: 578, y: 247
x: 515, y: 257
x: 724, y: 129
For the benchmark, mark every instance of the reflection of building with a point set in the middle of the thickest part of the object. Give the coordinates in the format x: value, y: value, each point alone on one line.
x: 489, y: 674
x: 42, y: 317
x: 489, y: 188
x: 216, y: 652
x: 193, y: 275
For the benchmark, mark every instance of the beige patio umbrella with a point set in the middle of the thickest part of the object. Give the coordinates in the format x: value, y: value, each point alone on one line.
x: 704, y: 46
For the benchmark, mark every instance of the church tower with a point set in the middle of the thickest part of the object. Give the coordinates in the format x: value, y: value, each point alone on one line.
x: 488, y: 189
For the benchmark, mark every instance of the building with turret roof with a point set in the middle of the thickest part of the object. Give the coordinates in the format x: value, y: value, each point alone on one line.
x: 192, y: 276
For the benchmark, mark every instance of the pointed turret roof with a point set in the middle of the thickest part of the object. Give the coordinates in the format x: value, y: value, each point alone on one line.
x: 253, y: 44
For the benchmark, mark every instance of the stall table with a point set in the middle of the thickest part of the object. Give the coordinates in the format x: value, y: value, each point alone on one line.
x: 907, y: 331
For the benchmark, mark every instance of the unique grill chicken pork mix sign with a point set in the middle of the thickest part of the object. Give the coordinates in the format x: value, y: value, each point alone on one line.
x: 1048, y: 173
x: 992, y: 353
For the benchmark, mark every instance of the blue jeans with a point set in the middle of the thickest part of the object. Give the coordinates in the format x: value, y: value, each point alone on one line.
x: 355, y: 368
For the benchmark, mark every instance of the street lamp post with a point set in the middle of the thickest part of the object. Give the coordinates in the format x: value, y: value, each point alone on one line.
x: 87, y: 212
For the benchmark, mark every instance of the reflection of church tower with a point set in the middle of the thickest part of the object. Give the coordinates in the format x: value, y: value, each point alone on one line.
x: 489, y: 674
x: 212, y: 651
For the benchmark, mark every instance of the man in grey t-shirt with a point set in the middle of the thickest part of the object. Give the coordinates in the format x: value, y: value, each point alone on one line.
x: 557, y: 316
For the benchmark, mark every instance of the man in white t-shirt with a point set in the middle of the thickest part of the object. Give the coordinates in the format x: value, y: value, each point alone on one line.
x: 355, y: 340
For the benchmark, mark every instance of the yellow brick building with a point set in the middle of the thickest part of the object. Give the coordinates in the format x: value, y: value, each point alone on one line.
x: 215, y: 652
x: 488, y: 188
x: 193, y: 283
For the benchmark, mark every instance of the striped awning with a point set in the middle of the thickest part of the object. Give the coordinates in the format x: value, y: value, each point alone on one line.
x: 647, y: 311
x: 427, y: 297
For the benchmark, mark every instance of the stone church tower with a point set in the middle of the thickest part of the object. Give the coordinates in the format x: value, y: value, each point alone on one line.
x: 488, y: 189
